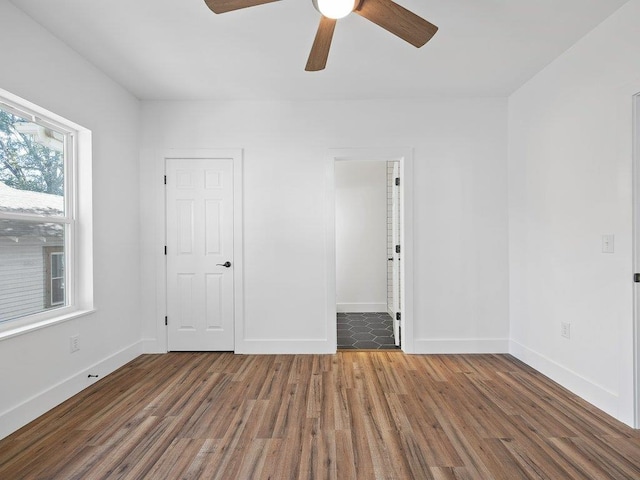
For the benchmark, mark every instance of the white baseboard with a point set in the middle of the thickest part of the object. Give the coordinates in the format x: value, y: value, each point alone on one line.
x: 17, y: 417
x: 583, y: 387
x: 285, y: 347
x: 461, y: 346
x: 361, y: 307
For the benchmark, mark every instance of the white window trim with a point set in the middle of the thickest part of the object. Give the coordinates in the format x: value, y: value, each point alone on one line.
x: 78, y: 218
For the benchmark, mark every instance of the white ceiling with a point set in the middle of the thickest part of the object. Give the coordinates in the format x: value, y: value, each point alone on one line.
x: 180, y: 50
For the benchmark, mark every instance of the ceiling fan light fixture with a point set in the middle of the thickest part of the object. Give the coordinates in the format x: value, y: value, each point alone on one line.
x: 335, y: 8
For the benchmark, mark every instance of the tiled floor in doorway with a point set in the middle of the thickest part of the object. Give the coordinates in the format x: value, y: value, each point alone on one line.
x: 365, y: 331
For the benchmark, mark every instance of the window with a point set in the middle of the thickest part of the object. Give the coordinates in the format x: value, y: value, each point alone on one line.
x: 38, y: 221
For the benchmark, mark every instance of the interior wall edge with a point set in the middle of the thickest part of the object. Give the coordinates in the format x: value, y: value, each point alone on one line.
x: 583, y: 387
x: 27, y: 411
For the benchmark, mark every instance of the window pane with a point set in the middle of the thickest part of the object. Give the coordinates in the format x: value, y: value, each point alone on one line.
x: 57, y: 291
x: 26, y: 282
x: 31, y: 167
x: 57, y: 265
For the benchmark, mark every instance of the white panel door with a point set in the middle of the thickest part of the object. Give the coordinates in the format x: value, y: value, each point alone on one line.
x: 200, y: 302
x: 395, y: 234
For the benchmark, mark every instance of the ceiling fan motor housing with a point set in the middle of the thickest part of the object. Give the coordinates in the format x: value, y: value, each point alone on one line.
x: 335, y: 8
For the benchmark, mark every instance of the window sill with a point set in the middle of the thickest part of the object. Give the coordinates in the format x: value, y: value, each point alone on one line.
x: 24, y: 329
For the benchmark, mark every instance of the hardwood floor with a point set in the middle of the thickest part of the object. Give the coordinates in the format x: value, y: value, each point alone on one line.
x: 353, y: 415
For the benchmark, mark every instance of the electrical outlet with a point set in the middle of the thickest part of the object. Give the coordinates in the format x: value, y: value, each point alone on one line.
x: 565, y: 329
x: 75, y: 343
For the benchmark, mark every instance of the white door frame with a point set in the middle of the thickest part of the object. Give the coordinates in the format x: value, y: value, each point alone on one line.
x: 636, y: 257
x: 236, y: 155
x: 405, y: 157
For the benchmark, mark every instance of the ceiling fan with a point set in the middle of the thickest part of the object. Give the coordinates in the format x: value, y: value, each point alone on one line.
x: 385, y: 13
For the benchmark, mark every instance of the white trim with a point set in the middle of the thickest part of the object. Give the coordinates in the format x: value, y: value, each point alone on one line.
x: 636, y: 257
x: 236, y: 155
x: 361, y: 307
x: 31, y: 111
x: 238, y: 247
x: 27, y: 217
x: 31, y: 326
x: 461, y: 346
x: 405, y: 157
x: 27, y: 411
x: 581, y: 386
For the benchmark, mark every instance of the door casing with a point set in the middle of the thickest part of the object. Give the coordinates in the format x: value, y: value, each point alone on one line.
x: 636, y: 258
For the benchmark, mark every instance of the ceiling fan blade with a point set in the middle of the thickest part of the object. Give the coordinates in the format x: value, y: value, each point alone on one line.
x: 397, y: 20
x: 321, y: 45
x: 223, y: 6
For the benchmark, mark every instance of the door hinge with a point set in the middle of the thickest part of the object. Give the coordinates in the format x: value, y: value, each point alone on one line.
x: 166, y: 320
x: 397, y: 248
x: 165, y: 249
x: 398, y: 316
x: 398, y: 181
x: 636, y: 277
x: 165, y: 179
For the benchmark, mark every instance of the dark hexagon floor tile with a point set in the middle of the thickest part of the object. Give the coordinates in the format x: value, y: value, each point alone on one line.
x: 363, y: 336
x: 380, y: 332
x: 358, y: 323
x: 360, y: 329
x: 384, y: 341
x: 370, y: 330
x: 366, y: 344
x: 378, y: 325
x: 345, y: 338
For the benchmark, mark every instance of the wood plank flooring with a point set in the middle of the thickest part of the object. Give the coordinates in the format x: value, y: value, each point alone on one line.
x: 353, y: 415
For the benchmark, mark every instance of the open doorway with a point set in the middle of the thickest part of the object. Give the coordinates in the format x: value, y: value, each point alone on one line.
x: 367, y: 254
x: 367, y: 249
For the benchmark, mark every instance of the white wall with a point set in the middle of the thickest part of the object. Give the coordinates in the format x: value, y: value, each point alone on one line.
x: 361, y: 236
x: 460, y: 212
x: 570, y: 171
x: 37, y: 371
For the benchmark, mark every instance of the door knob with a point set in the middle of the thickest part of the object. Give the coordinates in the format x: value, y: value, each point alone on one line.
x: 225, y: 264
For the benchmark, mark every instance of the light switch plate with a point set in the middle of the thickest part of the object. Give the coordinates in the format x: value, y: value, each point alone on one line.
x: 608, y: 243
